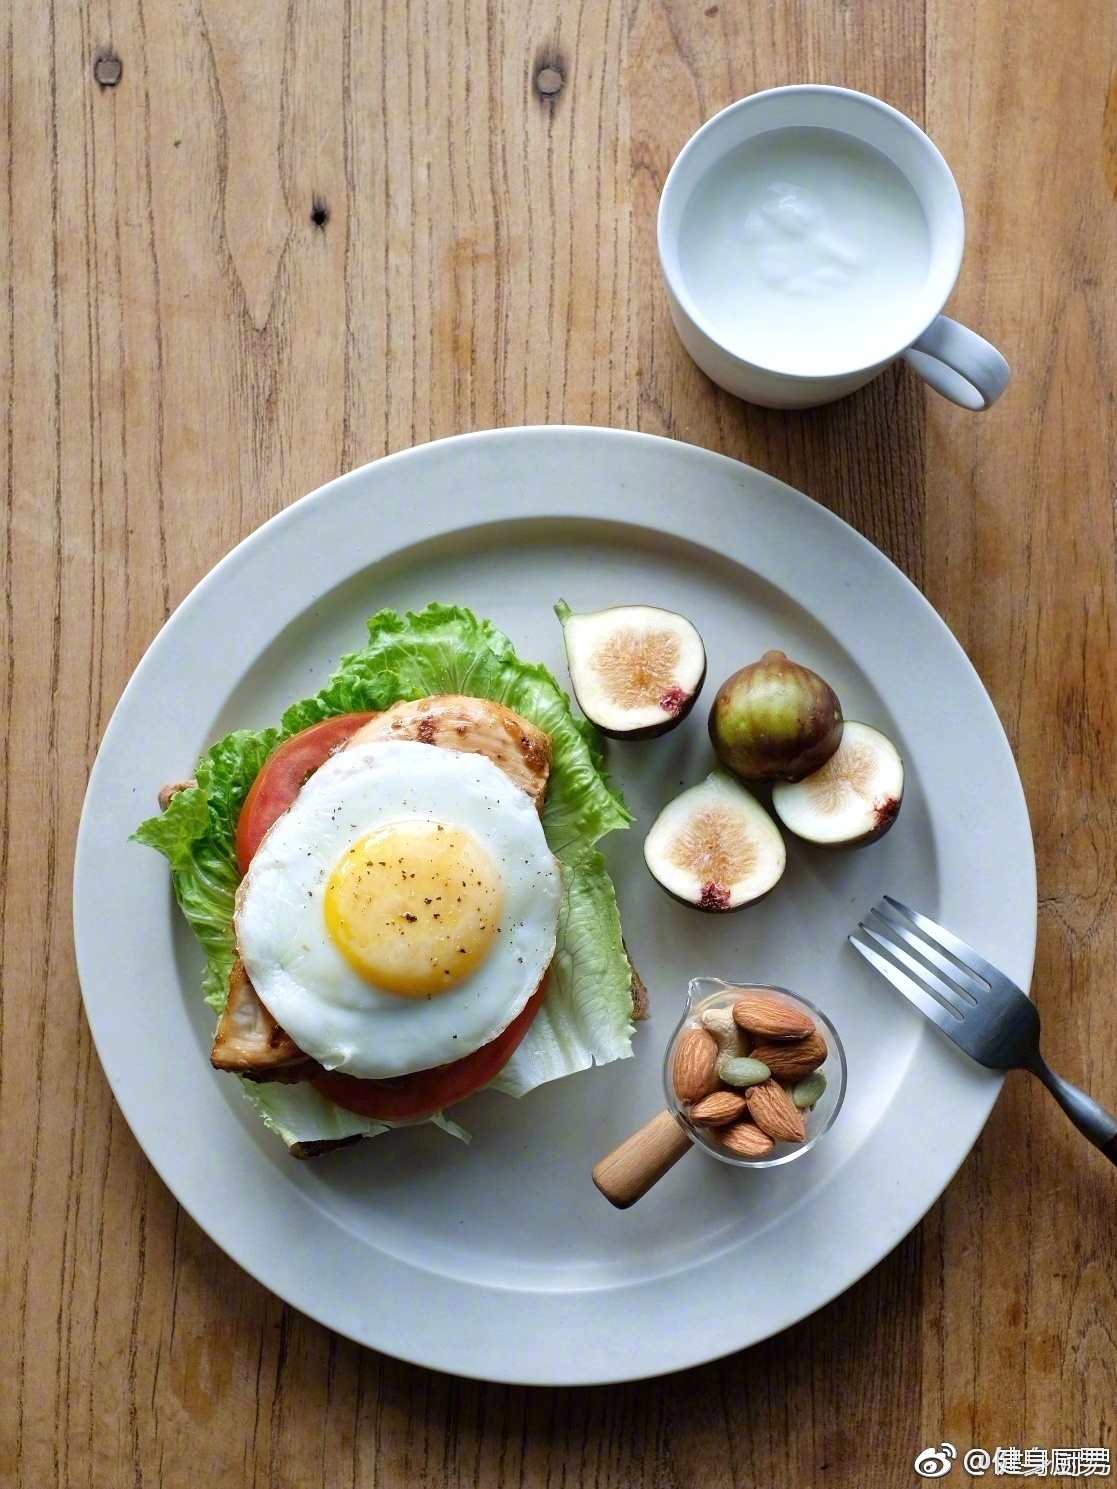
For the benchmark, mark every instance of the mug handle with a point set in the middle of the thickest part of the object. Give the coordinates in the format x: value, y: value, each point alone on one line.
x: 959, y: 364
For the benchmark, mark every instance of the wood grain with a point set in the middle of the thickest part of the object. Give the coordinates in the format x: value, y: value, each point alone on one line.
x: 1029, y: 589
x: 291, y: 238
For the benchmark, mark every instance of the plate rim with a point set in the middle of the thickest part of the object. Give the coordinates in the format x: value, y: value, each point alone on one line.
x: 562, y: 1367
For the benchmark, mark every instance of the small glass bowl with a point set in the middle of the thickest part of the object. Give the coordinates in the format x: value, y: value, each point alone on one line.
x: 712, y: 992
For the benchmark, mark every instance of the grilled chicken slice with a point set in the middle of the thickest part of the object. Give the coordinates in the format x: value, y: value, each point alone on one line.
x: 251, y: 1043
x: 475, y: 726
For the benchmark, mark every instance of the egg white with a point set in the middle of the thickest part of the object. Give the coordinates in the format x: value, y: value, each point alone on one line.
x: 335, y: 1016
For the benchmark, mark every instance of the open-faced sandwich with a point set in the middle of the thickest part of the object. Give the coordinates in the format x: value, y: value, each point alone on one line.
x: 398, y: 890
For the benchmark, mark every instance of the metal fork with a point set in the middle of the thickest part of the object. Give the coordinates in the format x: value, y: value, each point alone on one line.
x: 974, y: 1004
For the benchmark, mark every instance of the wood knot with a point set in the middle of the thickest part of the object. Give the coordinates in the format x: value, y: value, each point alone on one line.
x: 548, y: 82
x: 319, y: 212
x: 108, y: 69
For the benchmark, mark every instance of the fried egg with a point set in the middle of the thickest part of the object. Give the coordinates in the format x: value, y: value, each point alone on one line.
x: 402, y: 911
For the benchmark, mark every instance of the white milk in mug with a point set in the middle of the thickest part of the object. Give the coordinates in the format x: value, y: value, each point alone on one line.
x: 809, y: 236
x: 797, y: 243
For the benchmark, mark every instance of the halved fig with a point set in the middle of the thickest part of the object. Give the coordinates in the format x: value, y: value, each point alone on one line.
x: 635, y: 669
x: 853, y: 799
x: 714, y: 846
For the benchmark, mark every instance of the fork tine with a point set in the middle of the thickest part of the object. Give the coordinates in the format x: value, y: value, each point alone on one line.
x: 923, y: 976
x: 972, y: 988
x: 927, y: 1005
x: 957, y: 948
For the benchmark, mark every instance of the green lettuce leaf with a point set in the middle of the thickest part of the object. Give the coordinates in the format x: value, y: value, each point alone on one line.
x: 300, y: 1115
x: 197, y: 835
x: 447, y: 650
x: 586, y: 1017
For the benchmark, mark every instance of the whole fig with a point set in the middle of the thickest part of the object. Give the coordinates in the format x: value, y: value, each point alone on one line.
x: 775, y: 720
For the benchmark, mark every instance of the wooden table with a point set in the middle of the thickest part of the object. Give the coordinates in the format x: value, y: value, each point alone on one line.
x: 249, y: 246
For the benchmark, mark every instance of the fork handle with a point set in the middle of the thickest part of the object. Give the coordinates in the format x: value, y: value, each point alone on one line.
x: 1090, y: 1118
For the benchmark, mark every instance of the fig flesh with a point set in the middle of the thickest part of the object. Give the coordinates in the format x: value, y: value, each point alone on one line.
x: 635, y: 669
x: 714, y: 846
x: 775, y: 720
x: 853, y: 799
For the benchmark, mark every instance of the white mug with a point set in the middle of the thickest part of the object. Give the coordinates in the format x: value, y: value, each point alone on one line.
x: 809, y: 236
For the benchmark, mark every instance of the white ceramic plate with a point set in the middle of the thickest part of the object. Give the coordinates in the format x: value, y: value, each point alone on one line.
x: 501, y: 1260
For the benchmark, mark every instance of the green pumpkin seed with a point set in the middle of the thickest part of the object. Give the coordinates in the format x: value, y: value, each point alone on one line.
x: 741, y: 1071
x: 808, y: 1090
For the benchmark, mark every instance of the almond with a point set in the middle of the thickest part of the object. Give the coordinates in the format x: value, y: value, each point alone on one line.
x: 792, y: 1059
x: 718, y: 1109
x: 694, y: 1072
x: 771, y: 1018
x: 773, y: 1111
x: 746, y: 1140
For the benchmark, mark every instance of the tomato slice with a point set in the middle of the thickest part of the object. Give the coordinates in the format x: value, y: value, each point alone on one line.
x: 283, y: 776
x: 428, y: 1091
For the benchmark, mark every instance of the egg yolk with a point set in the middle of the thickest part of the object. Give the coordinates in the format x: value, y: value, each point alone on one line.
x: 414, y: 906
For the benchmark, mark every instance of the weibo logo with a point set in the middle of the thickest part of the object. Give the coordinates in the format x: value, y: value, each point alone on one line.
x: 934, y: 1463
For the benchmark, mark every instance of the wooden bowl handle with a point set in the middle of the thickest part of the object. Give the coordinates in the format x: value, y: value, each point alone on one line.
x: 628, y: 1172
